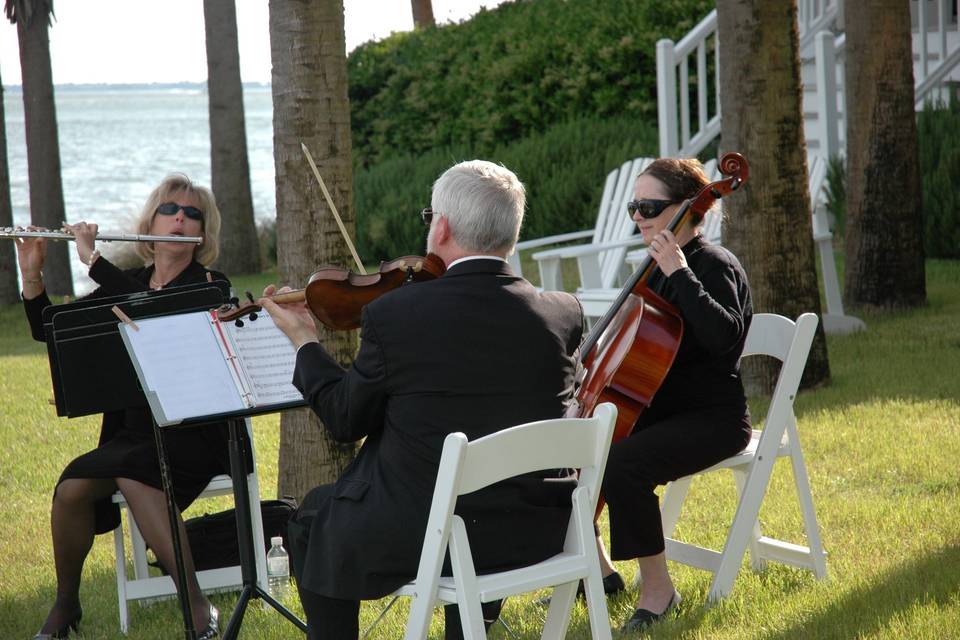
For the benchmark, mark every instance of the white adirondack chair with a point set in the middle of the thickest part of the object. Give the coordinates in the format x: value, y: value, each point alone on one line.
x: 596, y: 301
x: 601, y: 262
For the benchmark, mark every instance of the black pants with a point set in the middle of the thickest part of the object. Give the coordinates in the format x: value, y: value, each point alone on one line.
x: 335, y: 619
x: 656, y: 453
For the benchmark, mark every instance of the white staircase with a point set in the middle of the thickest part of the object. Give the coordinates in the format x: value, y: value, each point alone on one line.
x: 936, y: 62
x: 689, y: 116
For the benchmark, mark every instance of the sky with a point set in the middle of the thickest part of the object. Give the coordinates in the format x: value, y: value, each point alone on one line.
x: 136, y: 41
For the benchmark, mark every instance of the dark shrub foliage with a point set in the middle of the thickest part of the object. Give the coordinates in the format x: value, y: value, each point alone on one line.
x: 939, y: 132
x: 563, y: 170
x: 509, y: 73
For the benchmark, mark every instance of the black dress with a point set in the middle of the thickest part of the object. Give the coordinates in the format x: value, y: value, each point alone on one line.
x: 127, y: 448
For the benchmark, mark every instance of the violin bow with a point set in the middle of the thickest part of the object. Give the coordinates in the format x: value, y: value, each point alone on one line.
x: 326, y: 194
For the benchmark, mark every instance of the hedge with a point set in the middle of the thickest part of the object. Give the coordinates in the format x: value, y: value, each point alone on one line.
x: 509, y: 73
x: 562, y: 169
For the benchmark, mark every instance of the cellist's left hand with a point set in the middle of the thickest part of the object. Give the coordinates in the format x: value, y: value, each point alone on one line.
x: 666, y: 251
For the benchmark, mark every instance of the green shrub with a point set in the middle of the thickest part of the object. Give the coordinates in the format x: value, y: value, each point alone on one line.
x: 509, y: 73
x: 836, y: 192
x: 939, y: 140
x: 563, y: 170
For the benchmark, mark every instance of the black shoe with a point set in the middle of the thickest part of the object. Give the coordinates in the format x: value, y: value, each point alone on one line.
x: 643, y: 618
x: 64, y: 631
x: 213, y: 626
x: 612, y: 585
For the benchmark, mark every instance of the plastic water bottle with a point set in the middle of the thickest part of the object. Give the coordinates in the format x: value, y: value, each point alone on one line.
x: 278, y: 569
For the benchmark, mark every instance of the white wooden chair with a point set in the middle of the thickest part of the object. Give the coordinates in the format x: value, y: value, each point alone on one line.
x: 789, y: 342
x: 466, y: 467
x: 596, y: 300
x: 143, y: 586
x: 600, y: 263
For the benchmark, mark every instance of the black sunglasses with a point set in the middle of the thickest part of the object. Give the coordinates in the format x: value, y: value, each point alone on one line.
x: 171, y: 208
x: 427, y: 215
x: 649, y: 209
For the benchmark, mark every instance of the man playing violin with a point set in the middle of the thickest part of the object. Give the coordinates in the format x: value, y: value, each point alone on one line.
x: 476, y: 350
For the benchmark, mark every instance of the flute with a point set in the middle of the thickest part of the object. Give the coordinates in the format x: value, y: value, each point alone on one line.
x: 18, y: 232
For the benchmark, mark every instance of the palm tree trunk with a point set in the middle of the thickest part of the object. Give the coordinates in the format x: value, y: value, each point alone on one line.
x: 768, y: 223
x: 884, y: 232
x: 43, y: 146
x: 230, y: 167
x: 8, y: 257
x: 422, y: 13
x: 310, y: 105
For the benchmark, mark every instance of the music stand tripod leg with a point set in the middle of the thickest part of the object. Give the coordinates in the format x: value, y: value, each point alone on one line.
x: 182, y: 595
x: 248, y: 567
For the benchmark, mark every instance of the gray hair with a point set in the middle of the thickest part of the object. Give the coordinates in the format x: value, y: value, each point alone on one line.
x: 484, y: 204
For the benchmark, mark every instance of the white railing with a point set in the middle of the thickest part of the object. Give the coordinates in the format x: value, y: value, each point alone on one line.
x: 822, y: 39
x: 673, y: 63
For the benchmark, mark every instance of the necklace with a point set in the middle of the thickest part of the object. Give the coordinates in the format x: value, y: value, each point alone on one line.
x: 154, y: 284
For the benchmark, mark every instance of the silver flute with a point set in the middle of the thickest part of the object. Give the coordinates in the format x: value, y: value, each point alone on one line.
x: 18, y: 232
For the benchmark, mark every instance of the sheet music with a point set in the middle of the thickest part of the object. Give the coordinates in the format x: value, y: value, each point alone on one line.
x: 180, y: 360
x: 268, y: 358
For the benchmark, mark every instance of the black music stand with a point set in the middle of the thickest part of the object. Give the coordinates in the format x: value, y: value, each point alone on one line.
x: 250, y: 589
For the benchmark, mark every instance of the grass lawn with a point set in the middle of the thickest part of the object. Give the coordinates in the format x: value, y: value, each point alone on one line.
x: 882, y: 444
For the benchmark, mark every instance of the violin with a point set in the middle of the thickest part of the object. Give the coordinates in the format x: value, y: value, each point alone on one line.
x: 629, y: 352
x: 336, y: 296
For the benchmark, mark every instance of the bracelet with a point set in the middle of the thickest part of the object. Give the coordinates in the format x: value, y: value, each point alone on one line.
x: 93, y: 258
x: 33, y: 280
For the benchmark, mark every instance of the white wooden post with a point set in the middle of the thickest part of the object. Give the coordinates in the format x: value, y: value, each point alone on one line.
x: 667, y: 98
x: 826, y: 70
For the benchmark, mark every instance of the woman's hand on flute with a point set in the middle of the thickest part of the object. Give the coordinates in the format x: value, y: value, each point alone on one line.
x: 31, y: 254
x: 85, y: 234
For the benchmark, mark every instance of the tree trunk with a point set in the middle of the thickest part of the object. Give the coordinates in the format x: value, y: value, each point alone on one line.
x: 9, y: 292
x: 768, y: 223
x: 43, y: 146
x: 422, y: 13
x: 230, y: 168
x: 310, y: 106
x: 884, y: 232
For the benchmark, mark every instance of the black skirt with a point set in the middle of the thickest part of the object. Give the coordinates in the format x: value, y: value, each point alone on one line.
x: 128, y: 450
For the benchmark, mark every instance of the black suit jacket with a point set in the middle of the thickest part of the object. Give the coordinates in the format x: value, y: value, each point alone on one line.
x: 477, y: 350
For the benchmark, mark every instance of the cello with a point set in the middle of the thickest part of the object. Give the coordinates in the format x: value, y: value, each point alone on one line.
x: 629, y: 352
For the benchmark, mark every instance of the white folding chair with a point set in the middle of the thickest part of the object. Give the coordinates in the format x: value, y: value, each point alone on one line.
x: 789, y: 342
x: 143, y: 586
x: 581, y: 443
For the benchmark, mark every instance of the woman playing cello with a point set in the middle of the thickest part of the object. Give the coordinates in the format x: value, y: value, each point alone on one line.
x: 699, y: 414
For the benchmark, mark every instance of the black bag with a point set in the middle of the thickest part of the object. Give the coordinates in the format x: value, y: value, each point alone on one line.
x: 213, y: 536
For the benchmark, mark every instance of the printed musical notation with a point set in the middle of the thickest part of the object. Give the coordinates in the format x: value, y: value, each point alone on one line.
x: 268, y: 359
x: 192, y: 365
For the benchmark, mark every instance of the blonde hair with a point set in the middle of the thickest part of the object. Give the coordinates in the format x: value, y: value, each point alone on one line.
x: 172, y: 186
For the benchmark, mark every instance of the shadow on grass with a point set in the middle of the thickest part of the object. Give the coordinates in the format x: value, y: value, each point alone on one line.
x: 865, y: 610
